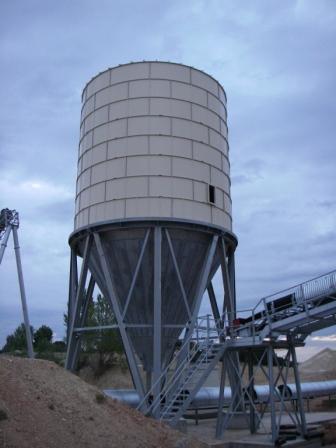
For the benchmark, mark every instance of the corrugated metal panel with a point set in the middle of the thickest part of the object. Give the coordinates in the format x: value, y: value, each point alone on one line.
x: 175, y: 113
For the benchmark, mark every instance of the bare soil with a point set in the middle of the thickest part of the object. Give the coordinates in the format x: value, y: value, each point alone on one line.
x: 113, y: 378
x: 44, y: 406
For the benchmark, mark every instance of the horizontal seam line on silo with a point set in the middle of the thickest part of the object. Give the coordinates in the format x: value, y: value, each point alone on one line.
x: 127, y: 117
x: 149, y: 154
x: 155, y: 176
x: 161, y: 155
x: 155, y: 79
x: 156, y: 97
x: 153, y: 197
x: 155, y: 135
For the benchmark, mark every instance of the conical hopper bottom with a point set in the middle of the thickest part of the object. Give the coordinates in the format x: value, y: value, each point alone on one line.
x: 122, y: 248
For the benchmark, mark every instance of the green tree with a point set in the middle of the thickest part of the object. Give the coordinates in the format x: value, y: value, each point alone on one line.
x: 110, y: 340
x: 105, y: 341
x: 43, y: 339
x: 17, y: 340
x: 59, y: 346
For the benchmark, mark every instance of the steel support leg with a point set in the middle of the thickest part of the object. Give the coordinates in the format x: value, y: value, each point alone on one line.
x: 251, y: 392
x: 73, y: 285
x: 274, y: 428
x: 29, y: 338
x: 228, y: 299
x: 213, y: 303
x: 76, y: 308
x: 232, y: 280
x: 229, y: 307
x: 148, y: 380
x: 219, y: 423
x: 303, y: 425
x: 157, y: 359
x: 82, y: 320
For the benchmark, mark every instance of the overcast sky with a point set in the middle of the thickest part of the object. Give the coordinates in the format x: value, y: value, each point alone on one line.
x: 277, y: 62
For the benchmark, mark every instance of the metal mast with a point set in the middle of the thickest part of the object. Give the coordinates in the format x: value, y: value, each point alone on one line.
x: 9, y: 222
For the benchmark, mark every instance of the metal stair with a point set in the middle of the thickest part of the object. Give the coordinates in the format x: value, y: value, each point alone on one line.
x: 297, y: 311
x: 187, y: 372
x: 196, y: 374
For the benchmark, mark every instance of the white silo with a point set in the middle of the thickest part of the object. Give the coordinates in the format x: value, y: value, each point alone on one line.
x: 153, y: 207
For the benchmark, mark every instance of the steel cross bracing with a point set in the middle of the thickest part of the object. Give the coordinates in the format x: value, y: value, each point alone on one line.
x: 156, y: 240
x: 184, y: 376
x: 213, y: 340
x: 263, y: 359
x: 282, y: 320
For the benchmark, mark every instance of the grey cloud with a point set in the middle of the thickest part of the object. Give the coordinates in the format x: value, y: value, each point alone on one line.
x: 241, y: 179
x: 57, y: 212
x: 327, y: 204
x: 251, y: 170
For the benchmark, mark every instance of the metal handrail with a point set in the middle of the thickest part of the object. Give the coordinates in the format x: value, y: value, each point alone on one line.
x: 171, y: 403
x: 201, y: 343
x: 180, y: 369
x: 303, y: 294
x: 161, y: 377
x: 297, y: 286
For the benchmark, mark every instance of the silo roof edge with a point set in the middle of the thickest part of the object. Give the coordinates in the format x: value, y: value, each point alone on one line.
x: 159, y: 62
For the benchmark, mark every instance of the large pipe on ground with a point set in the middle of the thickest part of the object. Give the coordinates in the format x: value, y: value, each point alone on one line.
x: 207, y: 397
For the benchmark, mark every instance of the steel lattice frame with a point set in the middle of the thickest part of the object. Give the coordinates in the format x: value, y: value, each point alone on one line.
x: 81, y: 287
x: 263, y: 359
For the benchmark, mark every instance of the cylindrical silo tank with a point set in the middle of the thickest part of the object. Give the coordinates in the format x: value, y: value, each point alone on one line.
x: 153, y: 194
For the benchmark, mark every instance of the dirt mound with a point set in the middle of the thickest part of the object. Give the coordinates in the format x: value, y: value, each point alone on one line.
x: 42, y: 405
x: 323, y: 361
